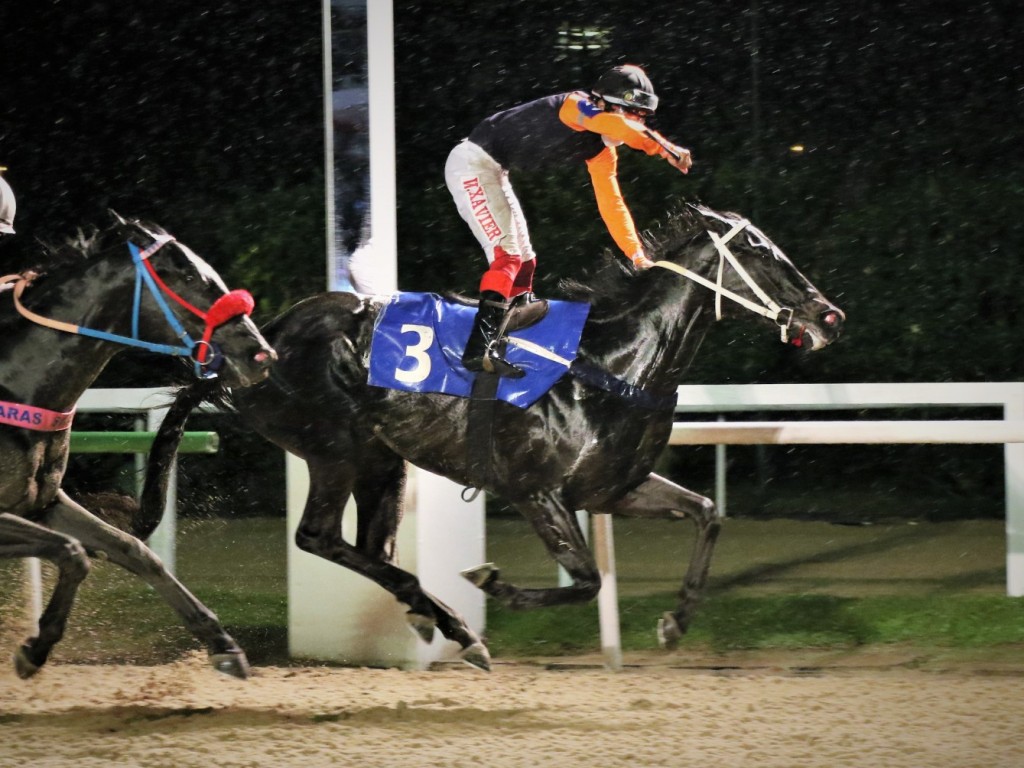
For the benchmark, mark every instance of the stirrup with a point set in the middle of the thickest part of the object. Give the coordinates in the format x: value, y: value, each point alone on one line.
x: 498, y: 365
x: 493, y: 364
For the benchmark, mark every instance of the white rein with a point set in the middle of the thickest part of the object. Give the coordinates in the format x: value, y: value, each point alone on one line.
x: 769, y: 309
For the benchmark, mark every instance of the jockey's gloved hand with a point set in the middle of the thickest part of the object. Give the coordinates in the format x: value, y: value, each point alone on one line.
x: 678, y: 157
x: 640, y: 261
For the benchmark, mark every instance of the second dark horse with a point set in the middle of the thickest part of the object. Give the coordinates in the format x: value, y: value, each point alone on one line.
x: 589, y: 443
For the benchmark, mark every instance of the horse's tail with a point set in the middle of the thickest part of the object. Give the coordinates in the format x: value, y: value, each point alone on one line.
x: 163, y: 450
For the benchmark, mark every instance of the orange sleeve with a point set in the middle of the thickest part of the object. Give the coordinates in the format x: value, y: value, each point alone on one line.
x: 578, y: 112
x: 617, y: 218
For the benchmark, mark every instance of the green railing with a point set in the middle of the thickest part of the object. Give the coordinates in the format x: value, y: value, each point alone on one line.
x: 139, y: 442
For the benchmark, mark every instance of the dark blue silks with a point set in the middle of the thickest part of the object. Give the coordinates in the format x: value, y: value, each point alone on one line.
x: 419, y: 337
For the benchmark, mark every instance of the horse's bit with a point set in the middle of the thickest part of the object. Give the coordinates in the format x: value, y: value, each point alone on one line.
x: 783, y: 316
x: 228, y: 306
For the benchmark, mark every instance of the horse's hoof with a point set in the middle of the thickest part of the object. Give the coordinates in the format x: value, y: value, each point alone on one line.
x: 231, y: 663
x: 477, y: 656
x: 481, y: 575
x: 422, y: 625
x: 23, y: 665
x: 669, y: 632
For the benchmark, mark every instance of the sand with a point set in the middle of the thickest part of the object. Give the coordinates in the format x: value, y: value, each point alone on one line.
x: 758, y: 712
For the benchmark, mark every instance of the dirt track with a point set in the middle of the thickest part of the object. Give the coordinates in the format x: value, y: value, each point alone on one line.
x: 758, y: 713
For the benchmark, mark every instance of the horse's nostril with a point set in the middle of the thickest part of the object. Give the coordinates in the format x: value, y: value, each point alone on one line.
x: 830, y: 318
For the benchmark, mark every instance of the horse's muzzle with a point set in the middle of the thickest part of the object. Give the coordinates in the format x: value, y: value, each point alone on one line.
x: 820, y: 332
x: 247, y: 363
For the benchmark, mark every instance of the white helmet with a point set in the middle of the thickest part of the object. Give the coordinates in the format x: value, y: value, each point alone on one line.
x: 8, y: 207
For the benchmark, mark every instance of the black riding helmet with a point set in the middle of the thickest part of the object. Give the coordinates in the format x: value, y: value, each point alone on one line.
x: 627, y: 86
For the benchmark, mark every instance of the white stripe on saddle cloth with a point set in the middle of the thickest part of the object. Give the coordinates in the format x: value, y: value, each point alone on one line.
x: 538, y: 350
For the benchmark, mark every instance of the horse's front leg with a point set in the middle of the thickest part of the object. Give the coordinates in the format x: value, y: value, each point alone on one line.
x: 659, y: 498
x: 560, y: 531
x: 21, y: 538
x: 131, y: 554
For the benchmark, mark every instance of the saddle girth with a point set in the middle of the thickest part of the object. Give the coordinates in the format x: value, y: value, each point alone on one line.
x: 480, y: 430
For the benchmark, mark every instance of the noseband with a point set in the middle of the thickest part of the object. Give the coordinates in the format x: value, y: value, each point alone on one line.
x: 228, y: 306
x: 783, y: 316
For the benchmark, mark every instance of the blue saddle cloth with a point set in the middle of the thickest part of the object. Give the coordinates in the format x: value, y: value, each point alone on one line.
x: 419, y: 337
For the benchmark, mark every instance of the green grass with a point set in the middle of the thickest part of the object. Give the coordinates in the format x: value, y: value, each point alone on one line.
x: 779, y: 622
x: 781, y: 585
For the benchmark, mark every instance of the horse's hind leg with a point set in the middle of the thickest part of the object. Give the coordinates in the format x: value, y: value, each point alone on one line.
x: 657, y: 497
x: 378, y: 491
x: 131, y: 554
x: 21, y: 538
x: 379, y: 494
x: 560, y: 531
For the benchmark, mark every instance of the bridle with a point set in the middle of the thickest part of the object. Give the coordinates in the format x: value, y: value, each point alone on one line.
x: 782, y: 316
x: 205, y: 353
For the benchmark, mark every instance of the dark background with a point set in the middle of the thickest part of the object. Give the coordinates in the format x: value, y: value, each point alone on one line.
x: 905, y: 207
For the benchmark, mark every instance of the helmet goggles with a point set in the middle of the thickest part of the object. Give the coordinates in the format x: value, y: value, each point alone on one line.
x: 634, y: 100
x: 637, y: 99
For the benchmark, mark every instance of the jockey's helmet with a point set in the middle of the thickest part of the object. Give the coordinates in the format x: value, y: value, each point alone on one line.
x: 627, y: 86
x: 8, y: 206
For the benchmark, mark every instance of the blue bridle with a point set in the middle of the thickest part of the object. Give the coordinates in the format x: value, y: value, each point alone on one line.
x: 146, y: 276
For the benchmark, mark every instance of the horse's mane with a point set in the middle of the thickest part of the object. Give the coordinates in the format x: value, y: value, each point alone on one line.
x: 85, y: 242
x: 613, y: 277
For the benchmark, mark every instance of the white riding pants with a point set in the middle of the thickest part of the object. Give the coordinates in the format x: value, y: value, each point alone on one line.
x: 485, y: 199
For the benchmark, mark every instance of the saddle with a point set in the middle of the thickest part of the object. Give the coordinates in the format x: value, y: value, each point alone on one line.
x: 418, y: 340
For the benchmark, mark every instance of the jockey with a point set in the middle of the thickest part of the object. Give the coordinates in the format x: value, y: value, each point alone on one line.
x: 554, y: 130
x: 8, y: 206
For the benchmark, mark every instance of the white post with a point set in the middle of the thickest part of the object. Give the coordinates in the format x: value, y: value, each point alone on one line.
x: 33, y: 593
x: 1013, y: 456
x: 164, y: 540
x: 329, y: 182
x: 608, y: 597
x: 720, y: 475
x: 383, y: 184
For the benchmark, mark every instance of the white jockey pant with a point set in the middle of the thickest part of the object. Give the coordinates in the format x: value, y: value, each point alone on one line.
x: 484, y: 197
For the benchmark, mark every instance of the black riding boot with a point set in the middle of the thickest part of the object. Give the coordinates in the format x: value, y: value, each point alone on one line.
x: 481, y: 352
x: 525, y: 310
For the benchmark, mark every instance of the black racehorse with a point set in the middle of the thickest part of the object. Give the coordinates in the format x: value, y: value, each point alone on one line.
x: 588, y: 444
x: 130, y: 285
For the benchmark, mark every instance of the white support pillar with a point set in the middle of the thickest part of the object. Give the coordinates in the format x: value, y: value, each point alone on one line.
x: 383, y: 181
x: 1013, y: 454
x: 608, y: 597
x: 721, y: 474
x: 33, y: 593
x: 164, y: 539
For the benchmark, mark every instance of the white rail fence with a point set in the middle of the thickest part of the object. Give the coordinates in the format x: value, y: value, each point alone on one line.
x: 722, y: 399
x: 725, y: 399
